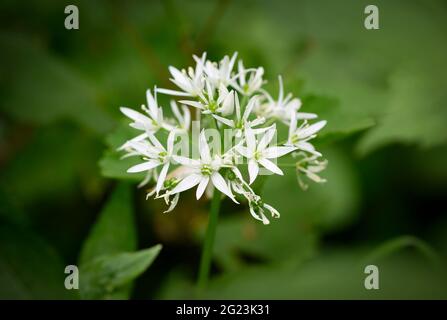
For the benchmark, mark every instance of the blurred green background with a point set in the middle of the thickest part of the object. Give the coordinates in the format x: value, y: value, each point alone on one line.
x: 65, y: 197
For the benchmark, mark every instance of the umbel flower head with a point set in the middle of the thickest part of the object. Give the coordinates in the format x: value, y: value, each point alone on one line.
x: 231, y: 107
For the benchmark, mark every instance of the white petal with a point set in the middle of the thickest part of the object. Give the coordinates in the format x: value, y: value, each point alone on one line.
x: 266, y: 138
x: 179, y: 77
x: 201, y: 188
x: 250, y: 139
x: 271, y: 166
x: 316, y: 178
x: 262, y: 218
x: 306, y: 146
x: 141, y: 148
x: 187, y: 117
x: 306, y: 115
x: 265, y: 221
x: 186, y: 161
x: 307, y: 132
x: 174, y: 92
x: 155, y: 141
x: 272, y: 210
x: 221, y: 185
x: 174, y: 202
x: 194, y: 104
x: 281, y: 89
x: 244, y: 151
x: 231, y: 64
x: 292, y: 126
x: 204, y: 150
x: 238, y: 107
x: 250, y: 106
x: 228, y: 104
x: 143, y: 166
x: 255, y: 215
x: 136, y: 139
x: 135, y: 115
x: 187, y: 183
x: 152, y: 104
x: 257, y: 121
x: 238, y: 173
x: 162, y: 177
x: 170, y: 142
x: 276, y: 152
x: 176, y: 111
x: 253, y: 170
x: 225, y: 121
x: 146, y: 180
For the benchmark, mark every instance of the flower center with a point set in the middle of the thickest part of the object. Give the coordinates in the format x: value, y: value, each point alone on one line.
x: 258, y: 155
x: 212, y: 106
x: 162, y: 156
x: 294, y: 138
x: 169, y: 184
x: 206, y: 170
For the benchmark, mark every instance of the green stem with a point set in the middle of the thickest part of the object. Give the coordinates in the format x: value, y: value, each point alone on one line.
x: 207, y: 251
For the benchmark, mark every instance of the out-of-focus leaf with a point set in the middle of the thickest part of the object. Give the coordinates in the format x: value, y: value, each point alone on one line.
x: 108, y: 276
x: 29, y: 267
x: 329, y: 205
x: 51, y: 164
x: 417, y: 111
x: 10, y: 210
x: 339, y: 121
x: 348, y: 65
x: 38, y: 88
x: 238, y: 236
x: 114, y: 231
x: 304, y: 214
x: 335, y: 274
x: 111, y: 164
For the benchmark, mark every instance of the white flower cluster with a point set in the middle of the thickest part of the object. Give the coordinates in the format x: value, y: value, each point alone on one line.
x: 226, y: 100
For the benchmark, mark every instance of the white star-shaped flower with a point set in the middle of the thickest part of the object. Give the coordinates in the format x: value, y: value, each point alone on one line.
x: 283, y: 107
x: 259, y: 154
x: 299, y: 137
x: 248, y: 81
x: 190, y: 82
x: 242, y: 121
x: 214, y: 101
x: 153, y: 121
x: 202, y: 171
x: 156, y: 155
x: 220, y: 73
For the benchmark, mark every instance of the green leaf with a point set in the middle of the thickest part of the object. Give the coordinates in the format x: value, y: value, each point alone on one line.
x: 107, y: 262
x: 108, y: 276
x: 115, y: 230
x: 29, y: 267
